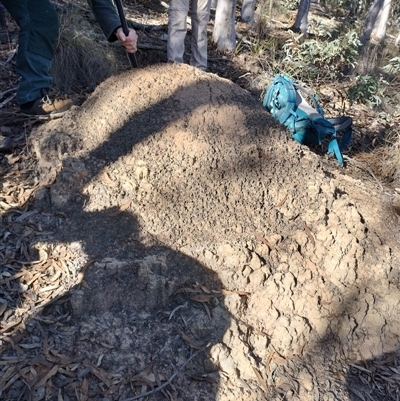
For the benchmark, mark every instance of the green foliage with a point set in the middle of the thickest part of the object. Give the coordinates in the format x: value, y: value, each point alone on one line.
x: 367, y: 90
x: 290, y: 4
x: 395, y: 9
x: 316, y: 58
x: 346, y: 7
x: 239, y: 47
x: 258, y: 47
x: 337, y: 4
x: 393, y: 66
x: 320, y: 27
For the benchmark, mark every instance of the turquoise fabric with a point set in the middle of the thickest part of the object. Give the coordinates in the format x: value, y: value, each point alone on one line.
x: 281, y: 99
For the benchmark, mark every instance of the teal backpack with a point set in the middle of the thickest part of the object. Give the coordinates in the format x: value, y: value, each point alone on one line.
x: 285, y: 101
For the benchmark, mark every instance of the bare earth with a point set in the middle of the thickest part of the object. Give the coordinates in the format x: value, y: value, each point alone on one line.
x: 219, y: 256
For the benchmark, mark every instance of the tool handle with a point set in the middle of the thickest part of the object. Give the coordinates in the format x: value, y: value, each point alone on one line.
x: 122, y: 18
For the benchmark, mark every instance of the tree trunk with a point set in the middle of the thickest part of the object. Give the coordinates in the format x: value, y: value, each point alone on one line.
x: 376, y: 21
x: 379, y: 32
x: 301, y: 22
x: 247, y: 13
x: 224, y: 34
x: 373, y: 34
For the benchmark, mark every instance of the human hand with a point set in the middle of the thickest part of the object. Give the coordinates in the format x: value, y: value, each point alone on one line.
x: 130, y: 41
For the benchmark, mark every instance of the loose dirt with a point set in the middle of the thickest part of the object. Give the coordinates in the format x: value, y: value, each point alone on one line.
x: 213, y: 253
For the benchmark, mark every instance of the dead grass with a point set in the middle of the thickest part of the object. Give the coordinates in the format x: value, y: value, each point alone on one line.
x: 82, y: 64
x: 83, y: 58
x: 387, y: 161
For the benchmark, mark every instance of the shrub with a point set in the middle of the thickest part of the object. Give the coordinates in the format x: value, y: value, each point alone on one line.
x: 325, y: 59
x: 393, y: 67
x: 368, y: 90
x: 290, y: 4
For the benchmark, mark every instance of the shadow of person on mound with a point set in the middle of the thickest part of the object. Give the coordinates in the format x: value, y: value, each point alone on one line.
x: 141, y: 321
x: 144, y: 313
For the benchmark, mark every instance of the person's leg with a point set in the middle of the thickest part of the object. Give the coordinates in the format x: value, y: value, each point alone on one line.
x: 38, y: 23
x: 301, y: 23
x: 200, y: 16
x: 177, y: 28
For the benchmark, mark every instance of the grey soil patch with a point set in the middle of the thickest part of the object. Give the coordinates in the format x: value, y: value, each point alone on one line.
x: 204, y: 225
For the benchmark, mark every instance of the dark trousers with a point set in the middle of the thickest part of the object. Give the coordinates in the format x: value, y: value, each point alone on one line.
x: 39, y: 30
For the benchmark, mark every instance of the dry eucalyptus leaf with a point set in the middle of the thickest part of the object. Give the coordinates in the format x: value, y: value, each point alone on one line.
x: 192, y: 343
x: 202, y: 297
x: 260, y: 379
x: 47, y: 376
x: 3, y: 307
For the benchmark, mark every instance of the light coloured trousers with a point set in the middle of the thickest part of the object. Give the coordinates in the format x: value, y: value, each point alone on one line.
x: 177, y: 28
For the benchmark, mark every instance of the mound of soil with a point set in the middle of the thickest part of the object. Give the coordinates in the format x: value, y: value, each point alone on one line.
x: 219, y: 256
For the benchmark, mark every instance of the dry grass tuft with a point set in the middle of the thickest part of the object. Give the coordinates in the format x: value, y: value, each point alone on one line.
x: 385, y: 161
x: 389, y: 161
x: 80, y: 63
x: 83, y: 58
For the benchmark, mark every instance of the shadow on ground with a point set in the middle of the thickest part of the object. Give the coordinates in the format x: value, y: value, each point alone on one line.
x: 201, y: 165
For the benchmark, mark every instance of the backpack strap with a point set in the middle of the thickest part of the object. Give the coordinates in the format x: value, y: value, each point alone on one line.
x: 326, y: 128
x: 343, y: 124
x: 333, y: 147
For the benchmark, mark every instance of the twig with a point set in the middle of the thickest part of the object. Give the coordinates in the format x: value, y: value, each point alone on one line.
x: 177, y: 308
x: 177, y: 371
x: 244, y: 75
x: 8, y: 100
x: 10, y: 57
x: 7, y: 91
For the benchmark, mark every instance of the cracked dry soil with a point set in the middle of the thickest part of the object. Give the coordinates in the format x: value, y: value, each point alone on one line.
x: 202, y: 224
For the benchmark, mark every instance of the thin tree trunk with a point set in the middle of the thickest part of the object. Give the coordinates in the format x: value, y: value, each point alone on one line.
x: 379, y: 32
x: 224, y: 34
x: 373, y: 35
x: 370, y: 21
